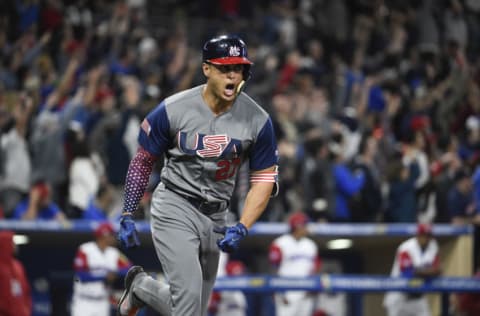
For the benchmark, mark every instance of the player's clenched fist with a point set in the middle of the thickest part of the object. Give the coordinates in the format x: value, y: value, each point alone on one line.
x: 128, y: 235
x: 233, y: 234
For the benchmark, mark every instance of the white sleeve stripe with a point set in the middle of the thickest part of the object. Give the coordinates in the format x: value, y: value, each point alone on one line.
x: 272, y: 173
x: 263, y: 178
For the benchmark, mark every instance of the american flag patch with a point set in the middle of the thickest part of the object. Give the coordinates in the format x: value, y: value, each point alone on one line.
x: 146, y: 127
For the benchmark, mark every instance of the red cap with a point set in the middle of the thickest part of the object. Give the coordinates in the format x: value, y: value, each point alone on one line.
x: 43, y: 189
x: 104, y: 229
x: 235, y: 267
x: 297, y: 220
x: 103, y: 93
x: 424, y: 229
x: 419, y: 122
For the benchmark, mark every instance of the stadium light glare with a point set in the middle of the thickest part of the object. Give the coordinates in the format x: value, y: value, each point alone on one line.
x: 20, y: 239
x: 337, y: 244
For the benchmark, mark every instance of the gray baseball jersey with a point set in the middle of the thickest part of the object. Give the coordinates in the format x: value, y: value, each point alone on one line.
x: 204, y: 151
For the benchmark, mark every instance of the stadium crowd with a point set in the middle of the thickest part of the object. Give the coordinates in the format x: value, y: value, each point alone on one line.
x: 376, y: 104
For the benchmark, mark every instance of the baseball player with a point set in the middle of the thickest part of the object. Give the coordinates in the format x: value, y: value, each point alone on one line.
x: 295, y: 255
x: 97, y: 264
x: 415, y: 257
x: 205, y: 134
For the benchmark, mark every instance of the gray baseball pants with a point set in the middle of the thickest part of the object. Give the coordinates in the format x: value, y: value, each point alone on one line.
x: 186, y: 247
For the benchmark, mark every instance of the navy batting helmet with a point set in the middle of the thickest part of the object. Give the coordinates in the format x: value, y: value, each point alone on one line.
x: 226, y: 50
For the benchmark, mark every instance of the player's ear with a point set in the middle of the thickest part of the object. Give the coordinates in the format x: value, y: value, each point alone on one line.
x: 206, y: 69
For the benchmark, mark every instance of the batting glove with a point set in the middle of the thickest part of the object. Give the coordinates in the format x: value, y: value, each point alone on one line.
x: 233, y: 234
x: 128, y: 235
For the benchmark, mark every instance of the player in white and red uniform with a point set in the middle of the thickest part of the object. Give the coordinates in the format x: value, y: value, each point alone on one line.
x: 97, y: 264
x: 415, y: 257
x: 295, y: 255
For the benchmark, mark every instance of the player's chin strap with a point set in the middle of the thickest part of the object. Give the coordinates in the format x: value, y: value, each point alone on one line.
x: 240, y: 87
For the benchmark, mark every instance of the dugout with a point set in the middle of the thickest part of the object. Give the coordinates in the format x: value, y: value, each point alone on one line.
x: 49, y: 254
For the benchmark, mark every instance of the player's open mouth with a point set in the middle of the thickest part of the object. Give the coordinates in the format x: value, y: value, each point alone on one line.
x: 230, y: 89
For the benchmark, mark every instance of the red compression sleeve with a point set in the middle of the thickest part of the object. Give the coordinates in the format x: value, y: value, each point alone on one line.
x: 137, y: 179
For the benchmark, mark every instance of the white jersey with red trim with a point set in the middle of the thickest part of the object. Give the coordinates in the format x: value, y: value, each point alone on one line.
x: 294, y: 258
x: 92, y: 265
x: 410, y: 256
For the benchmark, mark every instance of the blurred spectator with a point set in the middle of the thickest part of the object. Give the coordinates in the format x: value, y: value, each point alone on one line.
x: 367, y: 204
x: 38, y: 205
x: 99, y: 206
x: 455, y: 24
x: 470, y: 146
x: 16, y: 168
x: 416, y: 257
x: 415, y: 150
x: 28, y: 11
x: 461, y: 202
x: 443, y: 171
x: 402, y: 203
x: 318, y: 181
x: 228, y: 303
x: 347, y: 183
x: 113, y: 134
x: 86, y: 172
x: 47, y: 137
x: 98, y: 264
x: 294, y: 254
x: 15, y: 297
x: 280, y: 24
x: 287, y: 73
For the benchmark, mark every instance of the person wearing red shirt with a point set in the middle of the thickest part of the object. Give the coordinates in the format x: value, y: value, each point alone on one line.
x: 15, y: 295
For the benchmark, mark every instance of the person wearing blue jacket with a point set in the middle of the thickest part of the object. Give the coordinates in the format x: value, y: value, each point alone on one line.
x: 347, y: 183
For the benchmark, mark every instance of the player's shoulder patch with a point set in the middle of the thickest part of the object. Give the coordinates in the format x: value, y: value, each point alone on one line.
x: 146, y: 127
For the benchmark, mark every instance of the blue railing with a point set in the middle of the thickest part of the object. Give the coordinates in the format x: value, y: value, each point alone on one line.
x: 320, y: 229
x: 347, y: 283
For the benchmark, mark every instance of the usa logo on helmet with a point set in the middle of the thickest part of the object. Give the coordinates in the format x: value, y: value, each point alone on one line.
x: 234, y: 51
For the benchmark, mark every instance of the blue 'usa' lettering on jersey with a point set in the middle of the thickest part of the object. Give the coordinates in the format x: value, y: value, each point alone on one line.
x: 208, y: 146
